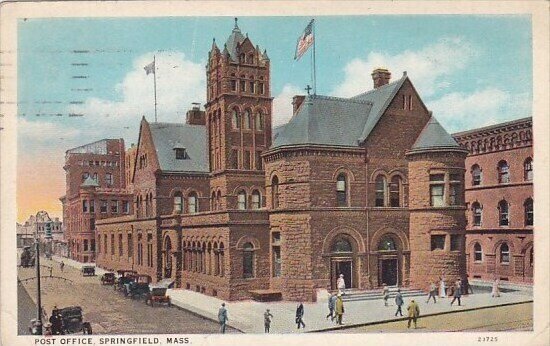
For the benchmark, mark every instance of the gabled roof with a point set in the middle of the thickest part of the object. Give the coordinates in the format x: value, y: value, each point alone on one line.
x: 325, y: 120
x: 337, y: 121
x: 167, y: 136
x: 434, y: 136
x: 380, y: 99
x: 90, y: 182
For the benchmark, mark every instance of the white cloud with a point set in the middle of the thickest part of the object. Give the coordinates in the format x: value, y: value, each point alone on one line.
x: 179, y: 83
x: 427, y: 67
x: 282, y: 104
x: 38, y: 131
x: 461, y: 111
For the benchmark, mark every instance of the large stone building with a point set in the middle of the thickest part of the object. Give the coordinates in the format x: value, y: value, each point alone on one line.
x: 499, y: 197
x: 95, y: 189
x: 36, y: 227
x: 371, y: 187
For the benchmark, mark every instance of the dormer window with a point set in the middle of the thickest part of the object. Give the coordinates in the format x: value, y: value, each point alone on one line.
x: 181, y: 154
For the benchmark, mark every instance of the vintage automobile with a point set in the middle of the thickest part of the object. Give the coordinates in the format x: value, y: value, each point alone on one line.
x: 138, y: 287
x: 108, y: 279
x: 71, y: 318
x: 158, y: 295
x: 88, y: 271
x: 124, y: 277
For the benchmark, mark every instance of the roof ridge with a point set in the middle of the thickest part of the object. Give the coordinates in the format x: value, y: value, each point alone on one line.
x: 380, y: 87
x: 340, y: 99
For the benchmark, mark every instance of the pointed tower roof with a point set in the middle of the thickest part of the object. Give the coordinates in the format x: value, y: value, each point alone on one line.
x: 234, y: 40
x: 434, y: 136
x: 90, y: 182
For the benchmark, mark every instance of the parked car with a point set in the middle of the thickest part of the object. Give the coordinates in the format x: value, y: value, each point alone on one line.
x: 124, y: 277
x: 72, y: 320
x: 88, y: 271
x: 138, y: 287
x: 158, y: 295
x: 108, y: 279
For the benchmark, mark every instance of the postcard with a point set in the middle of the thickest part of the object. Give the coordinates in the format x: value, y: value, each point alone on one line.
x: 193, y: 172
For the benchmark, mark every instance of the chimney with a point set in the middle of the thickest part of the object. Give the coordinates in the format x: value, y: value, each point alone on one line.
x: 195, y: 116
x: 297, y: 101
x: 380, y: 77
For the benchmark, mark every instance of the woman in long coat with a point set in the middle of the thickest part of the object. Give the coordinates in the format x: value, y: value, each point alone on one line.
x: 442, y: 289
x: 339, y: 309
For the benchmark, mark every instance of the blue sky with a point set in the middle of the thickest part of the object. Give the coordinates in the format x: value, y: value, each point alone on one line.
x: 470, y: 70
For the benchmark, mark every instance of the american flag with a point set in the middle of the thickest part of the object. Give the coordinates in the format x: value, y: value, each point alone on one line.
x: 150, y: 68
x: 305, y: 41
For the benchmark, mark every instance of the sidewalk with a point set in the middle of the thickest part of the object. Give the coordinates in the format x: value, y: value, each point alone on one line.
x: 247, y: 316
x: 77, y: 265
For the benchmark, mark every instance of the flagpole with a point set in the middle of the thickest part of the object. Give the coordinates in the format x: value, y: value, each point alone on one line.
x: 155, y: 84
x: 314, y: 67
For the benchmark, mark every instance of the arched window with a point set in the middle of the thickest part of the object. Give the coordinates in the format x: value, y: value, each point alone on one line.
x: 259, y: 121
x: 247, y: 120
x: 241, y: 200
x: 193, y: 203
x: 504, y: 253
x: 528, y: 210
x: 503, y: 172
x: 476, y: 175
x: 85, y: 176
x: 341, y: 191
x: 234, y: 119
x: 531, y: 258
x: 381, y: 191
x: 528, y: 169
x: 248, y: 260
x: 395, y: 191
x: 219, y: 200
x: 342, y: 245
x: 503, y: 213
x: 213, y: 204
x: 256, y: 199
x: 275, y: 192
x: 178, y: 202
x: 478, y: 253
x: 476, y: 214
x: 387, y: 244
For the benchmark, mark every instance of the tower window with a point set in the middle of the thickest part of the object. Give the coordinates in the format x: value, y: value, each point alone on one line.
x: 234, y: 119
x: 251, y: 88
x: 242, y: 86
x: 395, y: 189
x: 438, y: 242
x: 241, y: 200
x: 261, y: 88
x: 476, y: 213
x: 275, y: 192
x: 476, y: 175
x: 181, y: 154
x: 233, y: 85
x: 247, y: 121
x: 259, y: 121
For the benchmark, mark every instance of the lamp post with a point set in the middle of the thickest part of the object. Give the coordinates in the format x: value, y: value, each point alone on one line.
x: 38, y: 295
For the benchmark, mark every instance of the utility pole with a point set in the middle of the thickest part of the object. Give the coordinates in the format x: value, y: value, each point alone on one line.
x: 38, y: 295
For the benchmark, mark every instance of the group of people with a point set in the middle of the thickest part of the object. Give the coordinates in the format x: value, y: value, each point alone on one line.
x: 413, y: 309
x: 55, y: 327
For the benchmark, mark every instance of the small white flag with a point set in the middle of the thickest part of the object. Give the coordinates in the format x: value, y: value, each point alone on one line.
x: 150, y: 68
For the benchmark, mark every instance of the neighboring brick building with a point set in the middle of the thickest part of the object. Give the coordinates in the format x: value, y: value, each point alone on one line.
x: 499, y: 197
x: 369, y: 186
x: 95, y: 189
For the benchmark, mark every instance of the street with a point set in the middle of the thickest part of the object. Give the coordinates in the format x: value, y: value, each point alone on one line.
x: 108, y: 311
x: 502, y: 318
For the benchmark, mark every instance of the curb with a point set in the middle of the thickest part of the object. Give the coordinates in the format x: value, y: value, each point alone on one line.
x: 204, y: 317
x: 406, y: 318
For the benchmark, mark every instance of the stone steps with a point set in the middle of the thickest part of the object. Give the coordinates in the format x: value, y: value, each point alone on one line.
x: 377, y: 294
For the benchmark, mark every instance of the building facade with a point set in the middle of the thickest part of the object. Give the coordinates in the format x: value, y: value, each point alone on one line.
x: 35, y: 227
x: 499, y: 200
x: 371, y: 187
x: 95, y: 189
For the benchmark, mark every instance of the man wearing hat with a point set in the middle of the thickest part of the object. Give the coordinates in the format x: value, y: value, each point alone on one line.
x: 222, y: 318
x: 414, y: 312
x: 267, y: 320
x: 339, y: 309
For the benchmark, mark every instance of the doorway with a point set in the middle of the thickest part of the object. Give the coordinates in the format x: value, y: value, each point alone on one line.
x: 345, y: 267
x: 389, y: 272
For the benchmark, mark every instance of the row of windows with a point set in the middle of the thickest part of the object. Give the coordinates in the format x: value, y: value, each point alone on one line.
x: 503, y: 171
x: 438, y: 242
x: 203, y: 258
x: 88, y: 206
x: 388, y: 195
x: 504, y: 213
x: 445, y: 189
x: 243, y: 160
x: 108, y: 177
x: 503, y: 251
x: 244, y: 121
x: 98, y: 163
x: 192, y: 203
x: 130, y: 246
x: 248, y: 86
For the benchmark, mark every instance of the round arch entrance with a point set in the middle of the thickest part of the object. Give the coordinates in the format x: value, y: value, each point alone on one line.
x: 343, y: 261
x: 389, y: 255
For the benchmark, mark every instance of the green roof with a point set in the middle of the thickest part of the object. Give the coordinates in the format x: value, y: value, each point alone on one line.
x: 434, y: 136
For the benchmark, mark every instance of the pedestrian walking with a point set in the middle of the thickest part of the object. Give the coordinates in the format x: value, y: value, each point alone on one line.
x: 339, y: 308
x: 457, y: 293
x: 385, y: 294
x: 222, y: 318
x: 495, y: 292
x: 432, y: 293
x: 300, y: 316
x: 414, y: 313
x: 62, y: 266
x: 341, y: 284
x: 442, y: 289
x: 267, y: 320
x: 399, y: 302
x: 331, y: 305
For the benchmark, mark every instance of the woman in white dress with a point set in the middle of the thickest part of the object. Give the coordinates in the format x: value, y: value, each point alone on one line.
x: 442, y: 289
x: 496, y: 291
x: 341, y: 284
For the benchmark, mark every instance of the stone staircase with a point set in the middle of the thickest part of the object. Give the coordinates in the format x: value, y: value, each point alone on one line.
x: 354, y: 295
